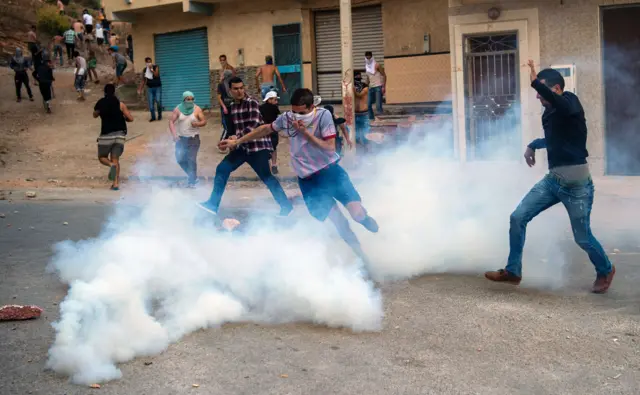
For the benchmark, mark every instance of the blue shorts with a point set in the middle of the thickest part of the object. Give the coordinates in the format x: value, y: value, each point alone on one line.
x: 120, y: 69
x: 321, y: 190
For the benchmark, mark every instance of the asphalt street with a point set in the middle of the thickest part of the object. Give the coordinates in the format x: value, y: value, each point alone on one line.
x: 443, y: 334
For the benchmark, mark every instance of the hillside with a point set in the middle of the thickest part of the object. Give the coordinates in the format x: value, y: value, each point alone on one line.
x: 18, y: 16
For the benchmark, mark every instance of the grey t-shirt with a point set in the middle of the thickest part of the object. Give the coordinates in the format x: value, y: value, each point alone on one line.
x: 119, y: 58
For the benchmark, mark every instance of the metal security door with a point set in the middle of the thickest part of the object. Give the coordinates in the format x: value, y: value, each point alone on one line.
x: 621, y: 67
x: 492, y: 98
x: 183, y: 58
x: 287, y: 51
x: 367, y: 36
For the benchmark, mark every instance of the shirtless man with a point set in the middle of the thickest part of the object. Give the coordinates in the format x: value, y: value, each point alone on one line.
x: 32, y: 38
x: 224, y: 65
x: 361, y: 85
x: 267, y: 71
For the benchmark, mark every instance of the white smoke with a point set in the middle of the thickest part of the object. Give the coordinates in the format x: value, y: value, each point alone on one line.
x: 154, y: 276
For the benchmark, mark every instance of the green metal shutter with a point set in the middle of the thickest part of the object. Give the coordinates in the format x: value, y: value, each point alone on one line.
x: 183, y: 58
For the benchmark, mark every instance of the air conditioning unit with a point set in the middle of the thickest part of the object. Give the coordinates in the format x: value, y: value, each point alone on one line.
x: 568, y: 71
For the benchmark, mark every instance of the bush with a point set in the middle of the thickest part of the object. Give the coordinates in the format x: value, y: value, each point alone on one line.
x: 50, y: 22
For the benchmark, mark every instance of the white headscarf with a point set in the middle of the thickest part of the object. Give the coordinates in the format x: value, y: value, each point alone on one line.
x: 370, y: 65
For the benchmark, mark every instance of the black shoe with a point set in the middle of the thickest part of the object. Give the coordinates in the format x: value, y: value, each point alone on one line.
x: 31, y: 99
x: 152, y: 120
x: 274, y: 170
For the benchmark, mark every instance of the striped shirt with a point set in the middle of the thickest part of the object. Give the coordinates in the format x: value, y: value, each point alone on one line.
x: 306, y: 158
x: 70, y: 36
x: 246, y: 117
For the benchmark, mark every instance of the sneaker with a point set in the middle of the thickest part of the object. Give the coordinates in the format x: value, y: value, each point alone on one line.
x: 31, y: 99
x: 602, y: 283
x: 208, y: 207
x: 192, y: 185
x: 18, y: 100
x: 503, y: 276
x: 152, y: 120
x: 370, y: 224
x: 274, y: 170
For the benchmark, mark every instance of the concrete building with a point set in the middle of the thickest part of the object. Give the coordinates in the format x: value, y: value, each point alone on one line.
x: 472, y: 53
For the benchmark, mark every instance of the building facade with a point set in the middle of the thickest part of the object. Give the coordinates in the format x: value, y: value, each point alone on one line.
x: 471, y: 53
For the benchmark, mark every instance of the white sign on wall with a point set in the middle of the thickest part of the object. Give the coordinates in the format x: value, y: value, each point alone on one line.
x: 568, y: 71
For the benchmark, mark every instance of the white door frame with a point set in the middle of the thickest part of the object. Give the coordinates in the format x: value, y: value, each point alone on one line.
x: 525, y: 23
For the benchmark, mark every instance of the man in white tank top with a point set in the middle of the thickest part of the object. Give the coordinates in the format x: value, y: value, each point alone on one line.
x: 377, y: 83
x: 185, y: 124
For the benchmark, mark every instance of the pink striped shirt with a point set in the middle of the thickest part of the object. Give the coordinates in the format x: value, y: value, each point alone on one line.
x: 306, y: 158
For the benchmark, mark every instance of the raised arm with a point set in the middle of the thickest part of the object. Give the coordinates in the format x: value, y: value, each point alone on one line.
x: 559, y: 102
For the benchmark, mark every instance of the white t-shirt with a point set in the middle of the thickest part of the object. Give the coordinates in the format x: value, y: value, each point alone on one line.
x: 99, y: 33
x: 306, y: 158
x: 88, y: 19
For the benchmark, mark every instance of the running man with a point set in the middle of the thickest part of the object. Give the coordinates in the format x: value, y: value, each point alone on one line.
x: 267, y: 72
x: 32, y: 39
x: 80, y: 75
x: 70, y: 43
x: 185, y: 124
x: 314, y: 159
x: 57, y: 48
x: 20, y: 65
x: 119, y: 63
x: 568, y: 181
x: 245, y: 113
x: 114, y: 116
x: 44, y: 75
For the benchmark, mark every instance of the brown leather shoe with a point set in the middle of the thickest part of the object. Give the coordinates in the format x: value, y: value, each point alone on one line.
x: 602, y: 284
x: 503, y: 276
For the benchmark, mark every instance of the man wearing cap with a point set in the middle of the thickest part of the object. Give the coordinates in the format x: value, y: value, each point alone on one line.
x: 119, y: 63
x: 270, y: 112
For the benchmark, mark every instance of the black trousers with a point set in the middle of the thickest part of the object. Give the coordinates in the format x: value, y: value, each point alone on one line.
x: 187, y: 154
x: 45, y: 90
x: 70, y: 49
x: 259, y: 162
x: 22, y: 77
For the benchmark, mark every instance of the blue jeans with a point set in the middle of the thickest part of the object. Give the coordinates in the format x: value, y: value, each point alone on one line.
x: 362, y: 128
x: 577, y: 198
x: 259, y: 162
x: 375, y: 95
x: 155, y: 95
x: 266, y: 88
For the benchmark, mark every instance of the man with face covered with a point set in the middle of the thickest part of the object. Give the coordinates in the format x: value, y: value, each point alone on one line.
x: 245, y: 115
x: 322, y: 180
x: 568, y: 181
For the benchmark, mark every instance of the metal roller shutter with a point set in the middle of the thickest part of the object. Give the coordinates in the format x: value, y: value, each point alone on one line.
x: 367, y: 36
x: 183, y: 58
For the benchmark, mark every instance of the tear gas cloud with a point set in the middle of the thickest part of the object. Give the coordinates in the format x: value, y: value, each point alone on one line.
x: 153, y: 277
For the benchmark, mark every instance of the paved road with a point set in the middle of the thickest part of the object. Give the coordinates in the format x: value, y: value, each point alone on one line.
x: 443, y: 334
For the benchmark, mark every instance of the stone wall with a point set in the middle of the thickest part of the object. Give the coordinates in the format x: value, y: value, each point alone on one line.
x: 248, y: 75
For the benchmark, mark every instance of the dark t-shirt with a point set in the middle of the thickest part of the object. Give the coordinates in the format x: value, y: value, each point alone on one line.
x: 269, y: 112
x: 155, y: 81
x: 111, y: 115
x: 222, y: 91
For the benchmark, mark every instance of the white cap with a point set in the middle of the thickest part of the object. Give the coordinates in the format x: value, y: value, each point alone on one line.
x: 271, y: 95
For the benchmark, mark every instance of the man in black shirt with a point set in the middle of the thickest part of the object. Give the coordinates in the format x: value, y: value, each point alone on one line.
x: 114, y: 116
x: 568, y: 181
x: 44, y: 75
x: 270, y: 111
x: 151, y: 78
